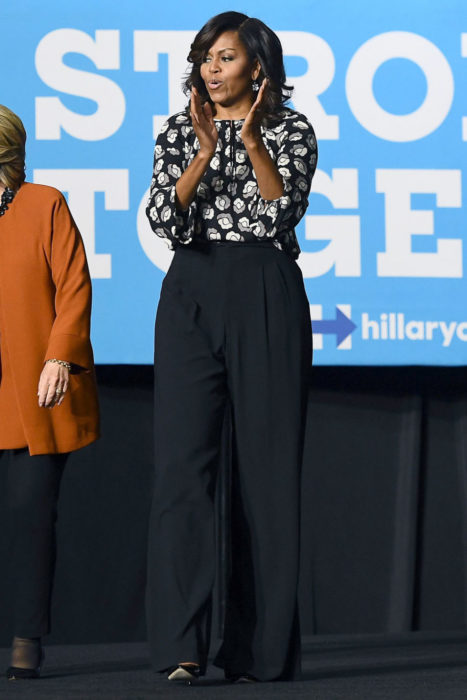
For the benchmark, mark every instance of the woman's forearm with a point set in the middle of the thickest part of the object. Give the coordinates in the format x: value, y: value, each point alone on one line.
x: 267, y: 175
x: 188, y: 182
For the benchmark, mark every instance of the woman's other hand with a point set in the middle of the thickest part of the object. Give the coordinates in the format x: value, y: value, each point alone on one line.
x: 267, y: 175
x: 203, y: 124
x: 53, y: 384
x: 251, y: 130
x: 205, y: 129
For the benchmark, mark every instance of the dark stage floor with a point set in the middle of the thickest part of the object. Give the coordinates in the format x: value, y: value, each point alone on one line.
x: 369, y: 668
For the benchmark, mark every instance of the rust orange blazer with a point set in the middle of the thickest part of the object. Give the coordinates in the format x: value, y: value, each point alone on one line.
x: 45, y: 308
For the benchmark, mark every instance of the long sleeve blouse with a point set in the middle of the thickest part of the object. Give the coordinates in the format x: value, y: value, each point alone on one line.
x: 228, y: 204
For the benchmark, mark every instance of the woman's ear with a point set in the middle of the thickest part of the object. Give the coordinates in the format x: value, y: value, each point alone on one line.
x: 256, y: 70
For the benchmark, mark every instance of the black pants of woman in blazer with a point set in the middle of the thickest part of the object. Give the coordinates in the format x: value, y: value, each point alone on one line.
x: 233, y: 325
x: 32, y: 490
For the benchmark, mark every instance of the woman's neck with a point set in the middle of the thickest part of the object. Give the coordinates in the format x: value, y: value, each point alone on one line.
x: 233, y: 112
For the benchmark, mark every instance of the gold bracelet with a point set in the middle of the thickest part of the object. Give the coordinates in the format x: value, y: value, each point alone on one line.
x: 61, y: 362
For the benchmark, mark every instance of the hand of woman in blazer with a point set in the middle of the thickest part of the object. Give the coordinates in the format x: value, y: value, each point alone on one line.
x: 53, y: 384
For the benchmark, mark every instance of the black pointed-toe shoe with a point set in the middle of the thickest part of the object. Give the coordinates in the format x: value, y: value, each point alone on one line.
x: 14, y: 673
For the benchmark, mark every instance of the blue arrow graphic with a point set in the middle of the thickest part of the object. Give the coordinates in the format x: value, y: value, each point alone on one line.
x: 342, y: 326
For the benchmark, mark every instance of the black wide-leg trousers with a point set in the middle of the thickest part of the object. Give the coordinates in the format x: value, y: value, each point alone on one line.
x: 33, y: 485
x: 233, y: 325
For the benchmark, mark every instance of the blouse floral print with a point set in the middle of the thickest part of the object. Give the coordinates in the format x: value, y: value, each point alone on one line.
x: 228, y: 204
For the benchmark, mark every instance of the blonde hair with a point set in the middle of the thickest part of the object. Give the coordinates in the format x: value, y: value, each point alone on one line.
x: 12, y: 149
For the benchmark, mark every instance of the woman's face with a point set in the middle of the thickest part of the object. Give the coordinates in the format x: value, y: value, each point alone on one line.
x: 228, y: 72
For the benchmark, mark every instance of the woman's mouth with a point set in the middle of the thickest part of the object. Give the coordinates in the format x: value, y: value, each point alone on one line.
x: 214, y: 84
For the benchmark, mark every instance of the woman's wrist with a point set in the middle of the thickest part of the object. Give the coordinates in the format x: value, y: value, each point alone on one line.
x: 187, y: 183
x: 254, y: 143
x: 205, y: 155
x: 63, y: 363
x: 270, y: 183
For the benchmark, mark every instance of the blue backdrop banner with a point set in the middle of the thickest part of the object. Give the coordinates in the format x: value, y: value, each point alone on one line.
x: 384, y: 84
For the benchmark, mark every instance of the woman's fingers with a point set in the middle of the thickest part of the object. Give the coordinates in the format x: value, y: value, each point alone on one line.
x: 261, y: 92
x: 203, y: 122
x: 51, y: 395
x: 257, y: 103
x: 61, y: 391
x: 196, y: 106
x: 193, y: 115
x: 252, y: 121
x: 193, y: 107
x: 42, y: 390
x: 201, y: 112
x: 207, y: 111
x: 53, y: 384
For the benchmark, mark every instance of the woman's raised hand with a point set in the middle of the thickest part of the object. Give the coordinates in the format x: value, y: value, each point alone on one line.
x: 203, y: 123
x: 251, y: 130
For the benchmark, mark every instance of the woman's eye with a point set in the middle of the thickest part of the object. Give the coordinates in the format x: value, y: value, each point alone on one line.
x: 207, y: 59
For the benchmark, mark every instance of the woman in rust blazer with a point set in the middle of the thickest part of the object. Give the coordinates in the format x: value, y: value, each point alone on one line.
x: 48, y: 397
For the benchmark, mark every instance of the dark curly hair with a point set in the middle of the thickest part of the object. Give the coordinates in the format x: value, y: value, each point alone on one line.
x: 261, y: 44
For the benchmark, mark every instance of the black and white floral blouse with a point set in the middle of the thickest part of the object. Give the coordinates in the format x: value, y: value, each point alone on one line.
x: 228, y: 204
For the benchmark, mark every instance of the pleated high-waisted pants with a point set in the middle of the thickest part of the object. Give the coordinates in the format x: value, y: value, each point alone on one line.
x: 233, y: 325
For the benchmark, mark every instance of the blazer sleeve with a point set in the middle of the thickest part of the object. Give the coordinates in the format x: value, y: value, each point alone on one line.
x: 69, y: 338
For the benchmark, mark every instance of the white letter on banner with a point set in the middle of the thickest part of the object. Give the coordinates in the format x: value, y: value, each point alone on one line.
x: 359, y: 86
x: 403, y: 222
x: 464, y: 55
x: 81, y: 186
x: 51, y: 114
x: 342, y: 231
x: 154, y: 246
x: 148, y: 44
x: 316, y: 80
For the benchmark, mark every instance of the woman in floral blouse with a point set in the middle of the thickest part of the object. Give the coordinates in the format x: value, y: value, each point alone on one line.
x: 231, y: 181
